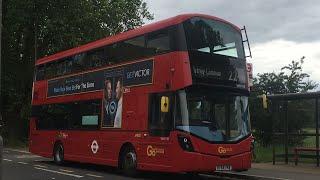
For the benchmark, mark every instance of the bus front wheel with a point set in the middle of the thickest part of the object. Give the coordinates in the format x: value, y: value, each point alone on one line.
x: 58, y: 154
x: 129, y: 162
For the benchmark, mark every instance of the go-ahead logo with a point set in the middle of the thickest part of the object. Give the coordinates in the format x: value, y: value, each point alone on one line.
x: 223, y: 150
x: 153, y: 151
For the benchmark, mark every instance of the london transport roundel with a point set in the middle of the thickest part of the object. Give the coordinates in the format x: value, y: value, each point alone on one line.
x: 112, y: 107
x: 94, y: 146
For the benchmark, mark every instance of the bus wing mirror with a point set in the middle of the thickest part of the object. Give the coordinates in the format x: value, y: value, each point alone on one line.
x: 164, y: 104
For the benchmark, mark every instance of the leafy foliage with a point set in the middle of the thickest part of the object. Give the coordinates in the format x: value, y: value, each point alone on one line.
x: 33, y: 29
x: 291, y: 79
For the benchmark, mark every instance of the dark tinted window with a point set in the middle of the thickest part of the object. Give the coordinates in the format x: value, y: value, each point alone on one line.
x: 73, y: 115
x: 78, y: 62
x: 95, y: 58
x: 160, y: 123
x: 158, y: 42
x: 133, y: 48
x: 40, y: 72
x: 61, y: 68
x: 151, y: 44
x: 50, y: 70
x: 213, y: 37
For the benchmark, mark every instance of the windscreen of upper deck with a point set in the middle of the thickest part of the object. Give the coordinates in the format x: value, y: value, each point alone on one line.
x: 216, y: 53
x: 214, y: 37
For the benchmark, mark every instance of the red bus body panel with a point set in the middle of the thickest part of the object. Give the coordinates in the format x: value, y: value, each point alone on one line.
x: 128, y: 34
x: 153, y: 153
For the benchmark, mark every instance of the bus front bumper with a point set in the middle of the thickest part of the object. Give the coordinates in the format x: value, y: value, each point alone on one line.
x: 198, y: 162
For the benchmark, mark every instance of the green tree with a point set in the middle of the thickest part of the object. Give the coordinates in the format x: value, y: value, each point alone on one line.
x: 295, y: 80
x: 291, y: 79
x: 36, y: 28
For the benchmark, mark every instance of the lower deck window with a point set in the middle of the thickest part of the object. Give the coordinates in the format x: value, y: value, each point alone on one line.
x: 71, y: 115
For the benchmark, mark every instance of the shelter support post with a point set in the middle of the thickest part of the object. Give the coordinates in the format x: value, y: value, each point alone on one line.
x: 286, y: 131
x: 317, y: 128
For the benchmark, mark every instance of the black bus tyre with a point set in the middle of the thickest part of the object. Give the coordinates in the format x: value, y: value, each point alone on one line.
x: 129, y: 162
x: 58, y: 154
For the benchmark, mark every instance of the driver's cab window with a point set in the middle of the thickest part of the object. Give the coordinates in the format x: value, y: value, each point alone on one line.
x: 160, y: 114
x: 219, y: 116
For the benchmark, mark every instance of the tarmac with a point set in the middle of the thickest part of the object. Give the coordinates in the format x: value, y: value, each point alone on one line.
x: 279, y: 171
x: 283, y: 171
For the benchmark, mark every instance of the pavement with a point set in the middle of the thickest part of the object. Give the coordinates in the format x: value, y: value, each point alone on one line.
x: 285, y: 171
x: 20, y: 164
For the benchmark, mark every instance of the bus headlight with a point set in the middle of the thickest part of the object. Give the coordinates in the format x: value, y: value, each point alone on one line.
x: 185, y: 143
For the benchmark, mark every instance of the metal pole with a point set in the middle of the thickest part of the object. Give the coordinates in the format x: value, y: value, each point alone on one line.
x: 35, y: 34
x: 0, y: 60
x: 286, y: 131
x: 1, y: 140
x: 1, y: 151
x: 317, y: 128
x: 273, y: 136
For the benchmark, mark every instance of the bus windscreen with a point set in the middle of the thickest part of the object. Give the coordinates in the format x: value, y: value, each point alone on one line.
x: 214, y: 37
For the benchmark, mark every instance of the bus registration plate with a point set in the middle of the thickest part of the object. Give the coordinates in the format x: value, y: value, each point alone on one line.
x: 223, y: 168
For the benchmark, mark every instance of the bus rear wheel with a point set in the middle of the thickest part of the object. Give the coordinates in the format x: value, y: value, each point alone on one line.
x: 58, y: 154
x: 129, y: 162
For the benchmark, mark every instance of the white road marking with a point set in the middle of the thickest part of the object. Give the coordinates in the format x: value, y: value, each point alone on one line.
x: 57, y: 172
x: 7, y: 160
x: 22, y: 162
x: 66, y: 170
x: 16, y: 150
x: 93, y: 175
x: 38, y: 165
x: 26, y: 156
x: 5, y: 151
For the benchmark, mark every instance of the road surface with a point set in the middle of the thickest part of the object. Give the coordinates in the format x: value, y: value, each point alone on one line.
x: 19, y: 165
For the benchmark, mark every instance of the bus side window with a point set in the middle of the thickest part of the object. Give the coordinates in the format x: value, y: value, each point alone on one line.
x: 78, y: 62
x: 94, y: 58
x: 160, y: 122
x: 61, y: 68
x: 133, y: 48
x: 50, y: 70
x: 158, y: 42
x: 40, y: 72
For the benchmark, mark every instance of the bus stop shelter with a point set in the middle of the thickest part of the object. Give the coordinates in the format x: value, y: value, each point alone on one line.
x: 295, y: 121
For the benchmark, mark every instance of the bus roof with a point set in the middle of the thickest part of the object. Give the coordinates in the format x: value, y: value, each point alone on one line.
x: 126, y: 35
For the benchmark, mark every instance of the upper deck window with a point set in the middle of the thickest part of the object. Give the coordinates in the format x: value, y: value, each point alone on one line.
x: 213, y: 37
x: 158, y: 42
x: 40, y: 73
x: 134, y: 48
x: 145, y: 45
x: 95, y: 58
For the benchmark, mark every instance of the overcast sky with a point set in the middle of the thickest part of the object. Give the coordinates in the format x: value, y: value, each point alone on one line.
x: 279, y: 30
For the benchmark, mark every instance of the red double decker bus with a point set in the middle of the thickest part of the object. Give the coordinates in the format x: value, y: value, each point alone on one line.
x: 170, y: 96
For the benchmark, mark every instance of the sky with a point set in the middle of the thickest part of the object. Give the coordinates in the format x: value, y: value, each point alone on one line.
x: 279, y: 31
